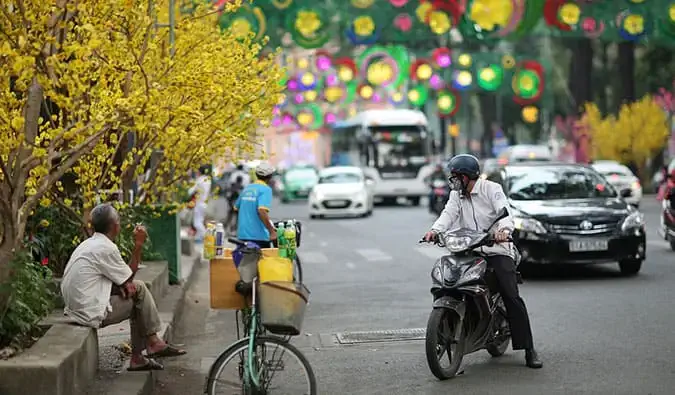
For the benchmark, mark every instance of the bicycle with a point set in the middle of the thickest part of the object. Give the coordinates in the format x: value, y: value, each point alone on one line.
x: 255, y: 369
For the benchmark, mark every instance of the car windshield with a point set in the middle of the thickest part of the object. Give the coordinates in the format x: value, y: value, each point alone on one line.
x: 340, y: 178
x: 543, y: 183
x: 301, y: 175
x: 616, y: 172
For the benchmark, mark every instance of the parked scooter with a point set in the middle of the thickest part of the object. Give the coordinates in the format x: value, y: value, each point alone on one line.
x: 468, y: 312
x: 440, y: 193
x: 667, y: 228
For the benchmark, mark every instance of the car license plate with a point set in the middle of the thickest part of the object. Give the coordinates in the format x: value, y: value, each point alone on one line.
x: 403, y: 190
x: 588, y: 245
x: 335, y: 203
x: 302, y: 193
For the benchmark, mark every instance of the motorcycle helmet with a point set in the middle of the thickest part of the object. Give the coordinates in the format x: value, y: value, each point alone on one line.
x: 465, y: 164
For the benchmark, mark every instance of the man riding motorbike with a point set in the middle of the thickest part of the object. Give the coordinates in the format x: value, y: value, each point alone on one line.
x: 474, y: 203
x: 437, y: 174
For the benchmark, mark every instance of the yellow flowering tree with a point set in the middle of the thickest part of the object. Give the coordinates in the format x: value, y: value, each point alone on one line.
x: 88, y: 89
x: 635, y: 135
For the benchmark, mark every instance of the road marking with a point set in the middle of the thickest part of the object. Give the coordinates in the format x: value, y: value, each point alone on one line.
x: 313, y: 257
x: 433, y: 253
x: 373, y: 254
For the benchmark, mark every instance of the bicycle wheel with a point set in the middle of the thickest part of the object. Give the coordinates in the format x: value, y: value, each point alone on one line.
x: 297, y: 379
x: 297, y: 269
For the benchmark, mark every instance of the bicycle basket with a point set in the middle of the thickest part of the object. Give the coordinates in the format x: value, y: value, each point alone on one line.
x: 282, y: 306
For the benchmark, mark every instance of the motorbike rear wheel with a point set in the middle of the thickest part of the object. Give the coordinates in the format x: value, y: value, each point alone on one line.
x: 502, y: 332
x: 439, y: 343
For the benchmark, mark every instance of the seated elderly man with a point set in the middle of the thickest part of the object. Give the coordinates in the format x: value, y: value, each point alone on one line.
x: 99, y: 290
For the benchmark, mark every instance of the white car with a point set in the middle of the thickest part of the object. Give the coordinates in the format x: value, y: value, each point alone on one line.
x: 341, y: 191
x: 621, y: 178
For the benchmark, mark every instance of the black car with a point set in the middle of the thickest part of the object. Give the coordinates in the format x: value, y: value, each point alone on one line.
x: 568, y: 213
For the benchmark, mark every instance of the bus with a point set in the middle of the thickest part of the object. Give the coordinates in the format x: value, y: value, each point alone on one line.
x: 393, y: 147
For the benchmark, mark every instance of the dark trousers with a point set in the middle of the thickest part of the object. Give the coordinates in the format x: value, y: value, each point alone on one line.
x: 519, y: 321
x: 261, y: 243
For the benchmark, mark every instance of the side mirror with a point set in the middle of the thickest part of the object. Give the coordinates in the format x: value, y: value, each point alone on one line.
x: 626, y: 193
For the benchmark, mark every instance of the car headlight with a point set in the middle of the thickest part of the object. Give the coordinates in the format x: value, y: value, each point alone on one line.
x: 316, y: 195
x: 634, y: 220
x: 457, y: 244
x: 530, y: 225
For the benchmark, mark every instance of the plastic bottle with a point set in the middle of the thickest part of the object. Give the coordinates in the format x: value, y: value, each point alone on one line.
x: 210, y: 241
x: 220, y: 241
x: 281, y: 240
x: 289, y: 236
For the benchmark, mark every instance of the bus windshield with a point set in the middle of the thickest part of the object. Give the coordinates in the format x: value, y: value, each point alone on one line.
x: 399, y: 151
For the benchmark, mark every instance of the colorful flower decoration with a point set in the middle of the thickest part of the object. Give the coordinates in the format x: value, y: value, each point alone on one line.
x: 447, y: 103
x: 442, y: 57
x: 403, y: 22
x: 309, y: 116
x: 464, y: 60
x: 439, y: 22
x: 329, y: 118
x: 362, y: 31
x: 490, y: 78
x: 530, y: 114
x: 292, y: 85
x: 418, y: 95
x: 309, y: 27
x: 508, y: 61
x: 631, y: 26
x: 396, y: 98
x: 381, y: 73
x: 334, y: 94
x: 308, y: 81
x: 398, y: 3
x: 281, y: 4
x: 362, y: 3
x: 436, y: 82
x: 528, y: 82
x: 244, y: 22
x: 384, y: 66
x: 491, y: 14
x: 463, y: 80
x: 346, y: 69
x: 531, y: 15
x: 570, y: 13
x: 552, y: 13
x: 311, y: 96
x: 667, y: 23
x: 423, y: 10
x: 322, y: 60
x: 366, y: 91
x: 592, y: 28
x: 421, y: 70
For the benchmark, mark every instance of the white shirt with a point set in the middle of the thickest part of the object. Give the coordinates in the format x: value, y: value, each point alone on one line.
x: 477, y: 212
x: 92, y: 269
x: 203, y: 188
x: 246, y: 178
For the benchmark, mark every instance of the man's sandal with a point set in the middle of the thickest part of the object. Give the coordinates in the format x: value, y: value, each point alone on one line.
x: 167, y: 351
x: 150, y: 364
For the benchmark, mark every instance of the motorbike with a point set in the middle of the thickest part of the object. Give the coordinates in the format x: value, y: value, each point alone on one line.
x: 439, y: 197
x: 667, y: 229
x: 468, y: 312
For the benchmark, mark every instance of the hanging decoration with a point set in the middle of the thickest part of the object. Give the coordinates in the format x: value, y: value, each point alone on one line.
x: 632, y: 26
x: 421, y: 70
x: 362, y: 3
x: 396, y: 98
x: 362, y: 31
x: 530, y: 114
x: 442, y: 57
x: 464, y: 60
x: 309, y: 27
x: 447, y: 103
x: 418, y: 95
x: 281, y: 4
x: 309, y: 116
x: 366, y: 91
x: 667, y: 23
x: 346, y: 69
x: 323, y: 60
x: 462, y: 80
x: 528, y: 82
x: 380, y: 68
x: 490, y: 78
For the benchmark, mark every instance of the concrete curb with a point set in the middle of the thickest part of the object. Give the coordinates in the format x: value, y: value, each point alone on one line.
x: 170, y: 307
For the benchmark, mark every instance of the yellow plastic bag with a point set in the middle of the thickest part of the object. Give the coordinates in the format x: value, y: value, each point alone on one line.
x: 275, y: 268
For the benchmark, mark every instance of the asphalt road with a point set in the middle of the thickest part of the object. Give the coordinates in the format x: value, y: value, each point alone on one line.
x: 597, y: 332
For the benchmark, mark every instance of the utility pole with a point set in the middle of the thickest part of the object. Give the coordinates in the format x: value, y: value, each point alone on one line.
x: 171, y: 25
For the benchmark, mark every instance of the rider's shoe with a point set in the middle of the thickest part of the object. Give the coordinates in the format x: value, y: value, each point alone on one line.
x: 532, y: 359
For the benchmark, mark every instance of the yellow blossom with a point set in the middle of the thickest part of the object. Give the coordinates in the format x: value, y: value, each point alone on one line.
x: 307, y: 23
x: 490, y: 14
x: 364, y: 26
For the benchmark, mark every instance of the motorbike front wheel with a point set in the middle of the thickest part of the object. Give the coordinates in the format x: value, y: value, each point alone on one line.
x: 502, y: 335
x: 440, y: 344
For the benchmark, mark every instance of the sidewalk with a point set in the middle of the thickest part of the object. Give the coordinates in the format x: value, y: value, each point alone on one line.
x: 204, y: 333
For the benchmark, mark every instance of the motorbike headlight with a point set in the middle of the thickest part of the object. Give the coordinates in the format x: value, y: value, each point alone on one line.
x: 457, y: 244
x: 529, y: 225
x: 634, y: 220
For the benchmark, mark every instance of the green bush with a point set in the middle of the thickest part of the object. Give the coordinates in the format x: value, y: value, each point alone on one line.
x: 30, y: 298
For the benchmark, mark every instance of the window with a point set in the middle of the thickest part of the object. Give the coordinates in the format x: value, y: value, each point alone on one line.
x: 543, y: 183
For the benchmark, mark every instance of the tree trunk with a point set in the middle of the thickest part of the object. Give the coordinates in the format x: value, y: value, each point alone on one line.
x: 627, y: 72
x: 604, y: 72
x: 581, y: 73
x: 488, y: 110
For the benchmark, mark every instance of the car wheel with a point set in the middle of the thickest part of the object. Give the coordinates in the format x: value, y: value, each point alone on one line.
x: 672, y: 244
x: 630, y: 267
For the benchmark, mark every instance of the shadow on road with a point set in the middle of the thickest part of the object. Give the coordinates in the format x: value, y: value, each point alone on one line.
x: 542, y: 273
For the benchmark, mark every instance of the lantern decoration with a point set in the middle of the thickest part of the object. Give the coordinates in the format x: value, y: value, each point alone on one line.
x: 552, y: 14
x: 244, y: 22
x: 447, y: 103
x: 384, y: 66
x: 421, y: 70
x: 362, y: 31
x: 569, y: 14
x: 528, y: 82
x: 436, y: 82
x: 377, y: 97
x: 441, y: 57
x: 309, y: 27
x: 464, y: 60
x: 346, y: 69
x: 418, y: 95
x: 398, y: 3
x: 463, y: 80
x: 299, y: 98
x: 423, y: 10
x: 439, y: 22
x: 631, y: 26
x: 302, y: 63
x: 489, y: 15
x: 490, y: 78
x: 366, y: 91
x: 530, y: 114
x: 287, y: 119
x: 292, y: 85
x: 332, y: 80
x: 592, y: 28
x: 307, y: 81
x: 310, y: 96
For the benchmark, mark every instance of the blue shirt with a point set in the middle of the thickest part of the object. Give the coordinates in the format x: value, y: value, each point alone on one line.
x: 255, y: 196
